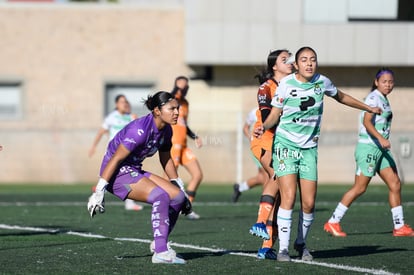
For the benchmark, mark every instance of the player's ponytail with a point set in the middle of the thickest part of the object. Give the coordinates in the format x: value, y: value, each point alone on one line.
x: 157, y: 100
x: 268, y: 72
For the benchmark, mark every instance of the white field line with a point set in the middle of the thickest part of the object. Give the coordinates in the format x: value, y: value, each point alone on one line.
x: 196, y: 247
x: 227, y: 204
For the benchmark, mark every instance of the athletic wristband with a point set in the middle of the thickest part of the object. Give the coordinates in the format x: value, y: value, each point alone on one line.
x: 102, y: 183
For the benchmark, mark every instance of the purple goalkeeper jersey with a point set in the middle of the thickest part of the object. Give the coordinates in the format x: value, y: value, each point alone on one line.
x: 142, y: 138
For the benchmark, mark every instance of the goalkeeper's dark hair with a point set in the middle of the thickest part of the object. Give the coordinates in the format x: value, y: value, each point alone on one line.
x: 158, y: 100
x: 268, y: 72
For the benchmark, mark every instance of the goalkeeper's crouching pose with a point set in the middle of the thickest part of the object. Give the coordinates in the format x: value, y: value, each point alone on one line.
x: 122, y: 175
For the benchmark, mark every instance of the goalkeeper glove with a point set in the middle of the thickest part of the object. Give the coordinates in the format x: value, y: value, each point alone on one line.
x: 186, y: 207
x: 96, y: 201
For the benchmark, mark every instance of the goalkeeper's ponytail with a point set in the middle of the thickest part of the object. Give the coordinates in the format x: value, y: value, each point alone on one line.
x: 157, y: 100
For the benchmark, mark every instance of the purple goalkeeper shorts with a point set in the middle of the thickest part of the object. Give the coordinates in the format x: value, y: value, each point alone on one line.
x: 119, y: 185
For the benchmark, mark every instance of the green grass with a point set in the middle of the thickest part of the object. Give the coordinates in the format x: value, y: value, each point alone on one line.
x: 368, y: 223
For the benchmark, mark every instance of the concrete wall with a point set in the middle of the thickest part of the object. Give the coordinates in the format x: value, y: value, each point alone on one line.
x: 239, y: 31
x: 64, y: 54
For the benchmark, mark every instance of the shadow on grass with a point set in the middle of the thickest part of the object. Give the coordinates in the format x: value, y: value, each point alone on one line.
x: 44, y: 230
x: 51, y: 230
x: 370, y: 233
x: 191, y: 255
x: 352, y: 251
x: 202, y: 254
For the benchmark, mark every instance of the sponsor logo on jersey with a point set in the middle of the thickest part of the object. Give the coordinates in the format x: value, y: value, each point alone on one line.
x: 305, y: 120
x: 130, y: 140
x: 140, y: 132
x: 261, y: 99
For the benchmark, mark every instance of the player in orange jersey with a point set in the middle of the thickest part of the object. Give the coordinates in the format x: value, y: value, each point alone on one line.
x: 180, y: 153
x: 261, y: 177
x: 279, y: 65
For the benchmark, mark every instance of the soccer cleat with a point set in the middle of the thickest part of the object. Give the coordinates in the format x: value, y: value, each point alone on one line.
x: 236, y: 193
x: 266, y: 253
x: 259, y: 230
x: 304, y: 253
x: 152, y: 246
x: 167, y: 257
x: 334, y: 229
x: 193, y: 216
x: 96, y: 203
x: 404, y: 231
x: 283, y: 256
x: 131, y: 205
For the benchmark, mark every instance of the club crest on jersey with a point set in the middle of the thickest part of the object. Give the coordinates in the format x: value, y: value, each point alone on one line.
x: 370, y: 168
x: 317, y: 89
x: 282, y: 166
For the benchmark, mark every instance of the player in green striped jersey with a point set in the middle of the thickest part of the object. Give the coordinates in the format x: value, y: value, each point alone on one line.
x: 298, y: 107
x: 373, y: 155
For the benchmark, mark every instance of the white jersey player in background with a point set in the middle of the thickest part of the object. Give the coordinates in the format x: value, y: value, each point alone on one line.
x: 113, y: 123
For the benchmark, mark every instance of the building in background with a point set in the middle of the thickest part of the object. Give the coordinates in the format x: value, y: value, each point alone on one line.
x: 63, y: 62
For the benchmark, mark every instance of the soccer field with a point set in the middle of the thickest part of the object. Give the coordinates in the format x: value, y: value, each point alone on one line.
x: 47, y: 230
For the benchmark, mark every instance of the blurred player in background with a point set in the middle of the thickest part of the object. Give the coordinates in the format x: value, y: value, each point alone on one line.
x: 113, y: 123
x: 180, y: 153
x: 121, y: 173
x: 278, y: 66
x: 297, y: 112
x: 261, y: 176
x: 373, y: 155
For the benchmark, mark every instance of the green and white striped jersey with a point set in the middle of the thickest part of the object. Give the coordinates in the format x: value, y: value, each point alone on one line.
x: 302, y: 108
x: 381, y: 122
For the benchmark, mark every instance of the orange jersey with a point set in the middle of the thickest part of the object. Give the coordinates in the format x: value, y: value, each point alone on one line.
x: 264, y: 98
x: 180, y: 129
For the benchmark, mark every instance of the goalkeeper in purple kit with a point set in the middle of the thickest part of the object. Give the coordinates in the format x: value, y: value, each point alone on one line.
x: 122, y: 175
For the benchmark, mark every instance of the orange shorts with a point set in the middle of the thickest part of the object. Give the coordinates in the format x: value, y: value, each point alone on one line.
x: 258, y: 145
x: 181, y: 154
